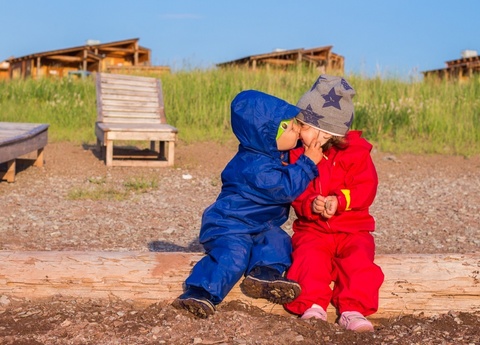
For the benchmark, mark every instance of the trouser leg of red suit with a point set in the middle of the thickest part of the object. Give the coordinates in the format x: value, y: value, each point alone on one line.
x: 346, y: 259
x: 358, y: 278
x: 312, y: 267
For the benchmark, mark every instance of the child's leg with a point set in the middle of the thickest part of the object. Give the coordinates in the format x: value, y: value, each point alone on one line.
x: 271, y: 256
x: 215, y: 274
x: 271, y: 248
x: 225, y: 263
x: 312, y: 268
x: 358, y: 277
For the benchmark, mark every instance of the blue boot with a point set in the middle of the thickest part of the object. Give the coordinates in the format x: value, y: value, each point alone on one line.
x: 197, y: 301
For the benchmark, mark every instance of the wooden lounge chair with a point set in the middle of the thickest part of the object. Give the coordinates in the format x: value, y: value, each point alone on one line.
x: 131, y: 108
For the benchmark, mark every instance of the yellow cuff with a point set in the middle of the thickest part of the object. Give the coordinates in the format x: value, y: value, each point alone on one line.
x: 346, y: 194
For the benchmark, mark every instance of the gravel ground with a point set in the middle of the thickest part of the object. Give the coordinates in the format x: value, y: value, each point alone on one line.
x: 425, y: 204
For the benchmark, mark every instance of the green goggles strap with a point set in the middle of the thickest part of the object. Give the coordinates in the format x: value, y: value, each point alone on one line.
x: 283, y: 126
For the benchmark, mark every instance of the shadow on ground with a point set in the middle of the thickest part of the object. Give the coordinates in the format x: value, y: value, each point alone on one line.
x: 164, y: 246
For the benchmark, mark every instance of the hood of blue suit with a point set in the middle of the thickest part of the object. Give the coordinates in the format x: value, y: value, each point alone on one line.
x: 255, y: 118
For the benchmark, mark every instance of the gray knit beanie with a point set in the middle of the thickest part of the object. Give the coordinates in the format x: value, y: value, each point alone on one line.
x: 328, y: 105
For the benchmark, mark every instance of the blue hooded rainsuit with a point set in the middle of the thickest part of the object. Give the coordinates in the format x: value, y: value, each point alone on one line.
x: 241, y: 230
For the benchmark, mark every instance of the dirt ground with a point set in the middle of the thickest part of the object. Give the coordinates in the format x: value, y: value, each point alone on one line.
x: 425, y: 204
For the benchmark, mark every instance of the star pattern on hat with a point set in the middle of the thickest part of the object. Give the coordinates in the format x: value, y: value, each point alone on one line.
x: 349, y: 122
x: 332, y: 99
x: 346, y: 85
x: 310, y: 116
x: 317, y: 82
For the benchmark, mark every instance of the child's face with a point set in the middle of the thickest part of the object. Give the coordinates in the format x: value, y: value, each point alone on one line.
x: 289, y: 138
x: 309, y: 133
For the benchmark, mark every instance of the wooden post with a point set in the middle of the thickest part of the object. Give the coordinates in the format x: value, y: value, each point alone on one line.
x: 9, y: 175
x: 39, y: 161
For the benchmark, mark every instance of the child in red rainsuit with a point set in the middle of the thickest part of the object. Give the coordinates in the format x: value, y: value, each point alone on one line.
x: 332, y: 238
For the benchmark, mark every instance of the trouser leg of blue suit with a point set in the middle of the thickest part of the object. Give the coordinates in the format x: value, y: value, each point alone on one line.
x: 226, y: 260
x: 229, y: 257
x: 271, y: 248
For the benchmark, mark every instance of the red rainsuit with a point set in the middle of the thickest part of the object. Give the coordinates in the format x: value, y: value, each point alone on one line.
x: 340, y: 249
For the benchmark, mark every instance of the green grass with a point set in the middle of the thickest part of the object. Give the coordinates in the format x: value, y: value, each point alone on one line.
x: 140, y: 184
x: 421, y: 117
x: 101, y: 193
x: 397, y: 116
x: 99, y: 189
x: 67, y: 105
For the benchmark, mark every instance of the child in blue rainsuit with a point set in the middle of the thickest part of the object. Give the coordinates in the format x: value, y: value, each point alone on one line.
x: 241, y: 231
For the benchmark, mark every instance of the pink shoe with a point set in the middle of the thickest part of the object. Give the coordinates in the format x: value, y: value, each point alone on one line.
x: 315, y: 312
x: 354, y: 321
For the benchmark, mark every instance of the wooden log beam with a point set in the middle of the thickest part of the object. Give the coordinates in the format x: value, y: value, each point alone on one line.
x: 280, y: 62
x: 66, y: 58
x: 429, y: 284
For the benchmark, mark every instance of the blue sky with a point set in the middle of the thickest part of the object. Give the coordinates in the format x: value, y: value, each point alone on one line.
x: 389, y: 37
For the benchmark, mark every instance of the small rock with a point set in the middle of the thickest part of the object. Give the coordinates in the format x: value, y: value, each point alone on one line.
x: 299, y: 338
x: 4, y: 300
x: 66, y: 323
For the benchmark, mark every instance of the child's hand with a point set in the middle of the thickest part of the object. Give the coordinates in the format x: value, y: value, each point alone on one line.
x: 314, y: 151
x: 318, y: 204
x: 325, y: 206
x: 331, y: 205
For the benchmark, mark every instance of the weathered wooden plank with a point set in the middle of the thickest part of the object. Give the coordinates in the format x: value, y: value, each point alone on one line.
x: 19, y: 148
x: 125, y: 89
x: 126, y: 79
x: 12, y: 132
x: 129, y: 97
x: 429, y: 284
x: 129, y: 110
x: 120, y: 104
x: 155, y: 129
